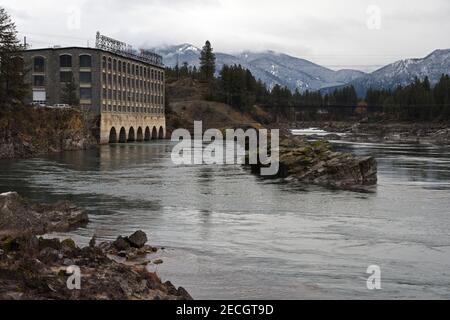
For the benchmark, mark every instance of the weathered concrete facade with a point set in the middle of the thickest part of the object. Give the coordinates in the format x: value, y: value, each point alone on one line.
x: 129, y: 127
x: 125, y: 92
x: 49, y: 70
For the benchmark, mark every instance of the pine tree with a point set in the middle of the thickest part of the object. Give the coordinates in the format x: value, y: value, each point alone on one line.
x: 207, y: 63
x: 184, y: 70
x: 194, y: 73
x: 69, y: 94
x: 12, y: 73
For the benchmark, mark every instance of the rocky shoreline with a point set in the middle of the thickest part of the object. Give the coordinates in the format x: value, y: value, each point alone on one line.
x: 432, y: 133
x: 36, y: 268
x: 31, y: 132
x: 314, y: 162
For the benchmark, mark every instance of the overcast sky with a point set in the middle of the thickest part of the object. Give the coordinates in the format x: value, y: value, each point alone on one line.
x: 338, y: 34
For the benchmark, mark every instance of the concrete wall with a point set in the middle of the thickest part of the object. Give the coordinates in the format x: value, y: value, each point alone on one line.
x: 127, y: 121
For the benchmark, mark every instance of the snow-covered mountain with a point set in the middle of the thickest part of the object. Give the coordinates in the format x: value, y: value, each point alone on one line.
x: 295, y: 73
x: 403, y: 72
x: 269, y: 66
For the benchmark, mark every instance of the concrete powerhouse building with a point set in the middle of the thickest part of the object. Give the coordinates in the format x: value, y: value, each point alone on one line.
x: 125, y: 87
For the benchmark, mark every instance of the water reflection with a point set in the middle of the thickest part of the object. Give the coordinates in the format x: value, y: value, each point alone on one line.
x: 113, y: 157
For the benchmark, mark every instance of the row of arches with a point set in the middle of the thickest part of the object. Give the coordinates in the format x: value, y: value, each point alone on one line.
x: 139, y: 135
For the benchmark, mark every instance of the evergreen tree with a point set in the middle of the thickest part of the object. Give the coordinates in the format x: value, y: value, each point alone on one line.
x: 12, y: 73
x: 207, y: 63
x: 184, y: 70
x: 415, y: 102
x: 194, y: 74
x: 69, y: 94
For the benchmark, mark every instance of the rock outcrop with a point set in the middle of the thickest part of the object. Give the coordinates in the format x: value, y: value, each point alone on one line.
x: 39, y: 268
x: 384, y: 131
x: 315, y: 163
x: 29, y: 132
x: 19, y: 217
x: 36, y: 269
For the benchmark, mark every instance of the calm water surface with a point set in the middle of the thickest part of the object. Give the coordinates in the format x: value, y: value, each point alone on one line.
x: 231, y: 235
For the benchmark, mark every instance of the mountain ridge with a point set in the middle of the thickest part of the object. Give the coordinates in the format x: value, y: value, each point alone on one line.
x: 274, y: 68
x: 403, y: 72
x: 269, y: 66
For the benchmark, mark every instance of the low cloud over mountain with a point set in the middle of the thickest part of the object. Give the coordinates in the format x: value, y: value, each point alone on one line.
x: 295, y: 73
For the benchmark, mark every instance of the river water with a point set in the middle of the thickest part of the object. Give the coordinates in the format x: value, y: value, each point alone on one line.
x: 230, y: 235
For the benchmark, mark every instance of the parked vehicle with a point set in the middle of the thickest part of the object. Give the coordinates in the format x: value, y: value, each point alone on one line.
x: 39, y: 104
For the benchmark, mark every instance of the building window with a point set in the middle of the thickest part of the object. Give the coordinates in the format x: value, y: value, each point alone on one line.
x: 85, y: 93
x: 85, y: 61
x: 66, y: 76
x: 85, y: 77
x: 65, y: 61
x: 109, y: 64
x: 115, y: 65
x: 38, y: 81
x: 39, y: 64
x: 104, y: 63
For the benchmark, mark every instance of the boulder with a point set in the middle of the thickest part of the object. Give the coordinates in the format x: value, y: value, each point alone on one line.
x: 138, y: 239
x: 69, y: 244
x: 121, y: 244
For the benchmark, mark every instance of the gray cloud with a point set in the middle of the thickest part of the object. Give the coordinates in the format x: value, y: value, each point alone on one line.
x: 328, y: 32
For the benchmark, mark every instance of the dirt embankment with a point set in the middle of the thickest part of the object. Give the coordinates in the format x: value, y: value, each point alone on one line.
x: 187, y: 104
x: 28, y: 132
